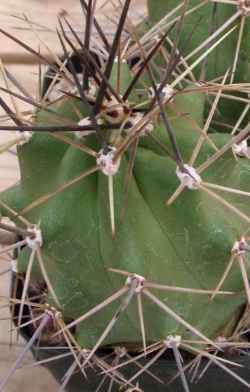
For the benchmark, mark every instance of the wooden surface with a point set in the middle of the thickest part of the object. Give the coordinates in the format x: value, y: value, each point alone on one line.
x: 44, y: 13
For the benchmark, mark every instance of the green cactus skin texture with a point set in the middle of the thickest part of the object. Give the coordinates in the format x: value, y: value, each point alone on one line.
x: 198, y: 25
x: 185, y: 244
x: 180, y: 244
x: 208, y: 18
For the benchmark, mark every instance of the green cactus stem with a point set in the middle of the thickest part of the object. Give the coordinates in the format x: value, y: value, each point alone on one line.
x: 141, y: 204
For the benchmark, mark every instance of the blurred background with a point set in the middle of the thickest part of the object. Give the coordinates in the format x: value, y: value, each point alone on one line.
x: 34, y: 22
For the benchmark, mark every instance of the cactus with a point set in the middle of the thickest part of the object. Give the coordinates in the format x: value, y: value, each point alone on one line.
x: 130, y: 222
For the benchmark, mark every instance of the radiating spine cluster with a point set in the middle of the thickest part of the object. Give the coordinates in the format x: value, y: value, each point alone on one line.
x: 119, y: 233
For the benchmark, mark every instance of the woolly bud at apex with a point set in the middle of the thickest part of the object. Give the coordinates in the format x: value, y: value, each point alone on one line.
x: 14, y: 266
x: 188, y: 177
x: 82, y: 123
x: 166, y: 93
x: 244, y: 7
x: 241, y: 149
x: 35, y: 240
x: 105, y: 160
x: 25, y: 137
x: 120, y: 351
x: 172, y: 341
x: 137, y: 280
x: 134, y: 120
x: 240, y: 247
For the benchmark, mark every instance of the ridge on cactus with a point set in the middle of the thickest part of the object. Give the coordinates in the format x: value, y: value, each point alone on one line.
x: 129, y: 228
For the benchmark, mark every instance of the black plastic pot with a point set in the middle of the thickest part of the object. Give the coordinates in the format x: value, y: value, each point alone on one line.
x: 214, y: 380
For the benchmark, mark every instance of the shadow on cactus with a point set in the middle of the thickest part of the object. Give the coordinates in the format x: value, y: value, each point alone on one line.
x: 129, y: 227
